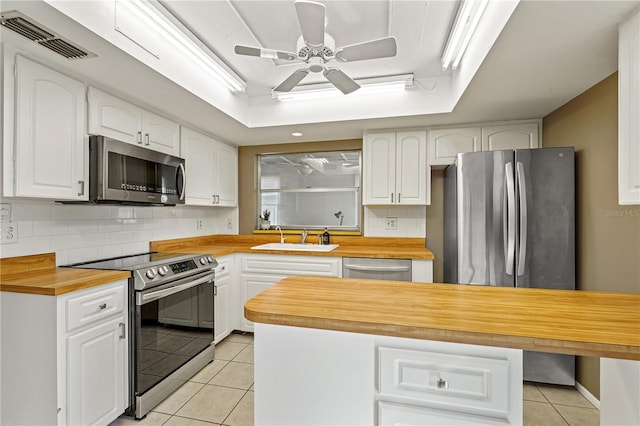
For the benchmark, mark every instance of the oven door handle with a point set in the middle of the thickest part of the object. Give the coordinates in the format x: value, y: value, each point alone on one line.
x: 146, y: 297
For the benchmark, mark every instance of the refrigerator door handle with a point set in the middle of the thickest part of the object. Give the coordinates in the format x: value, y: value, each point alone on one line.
x: 509, y: 220
x: 522, y: 194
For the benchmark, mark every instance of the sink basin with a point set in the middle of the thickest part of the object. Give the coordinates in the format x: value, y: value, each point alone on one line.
x: 296, y: 247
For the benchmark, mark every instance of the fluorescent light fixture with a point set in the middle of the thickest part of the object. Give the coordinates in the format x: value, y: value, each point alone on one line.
x: 369, y: 86
x: 196, y: 51
x: 467, y: 19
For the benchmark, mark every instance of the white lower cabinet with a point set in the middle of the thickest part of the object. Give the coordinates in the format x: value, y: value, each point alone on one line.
x: 224, y: 298
x: 260, y: 271
x: 411, y: 415
x: 65, y: 358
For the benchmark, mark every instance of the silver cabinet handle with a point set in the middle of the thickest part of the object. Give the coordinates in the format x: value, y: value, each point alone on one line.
x: 81, y: 183
x: 139, y: 138
x: 217, y: 199
x: 392, y: 197
x: 102, y: 306
x: 399, y: 198
x: 122, y: 331
x: 377, y: 268
x: 147, y: 142
x: 442, y: 384
x: 215, y: 290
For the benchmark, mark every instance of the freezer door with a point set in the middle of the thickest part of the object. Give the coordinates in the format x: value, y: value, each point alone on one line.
x: 485, y: 229
x: 545, y: 251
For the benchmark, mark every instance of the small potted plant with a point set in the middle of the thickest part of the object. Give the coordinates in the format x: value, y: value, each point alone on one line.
x: 264, y: 219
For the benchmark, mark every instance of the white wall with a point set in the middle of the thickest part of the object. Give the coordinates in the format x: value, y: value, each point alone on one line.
x: 82, y: 232
x: 411, y: 221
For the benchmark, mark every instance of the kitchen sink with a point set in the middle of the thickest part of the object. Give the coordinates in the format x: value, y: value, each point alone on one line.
x: 296, y: 247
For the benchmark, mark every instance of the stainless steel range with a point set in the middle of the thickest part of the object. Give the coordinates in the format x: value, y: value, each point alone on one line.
x: 171, y: 321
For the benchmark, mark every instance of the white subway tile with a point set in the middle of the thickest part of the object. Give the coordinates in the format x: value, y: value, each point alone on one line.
x: 79, y: 212
x: 65, y: 242
x: 121, y: 237
x: 50, y: 227
x: 82, y: 254
x: 62, y: 257
x: 109, y: 225
x: 83, y: 226
x: 132, y: 224
x: 121, y: 212
x: 31, y: 211
x: 25, y: 229
x: 135, y: 248
x: 96, y: 239
x: 109, y: 251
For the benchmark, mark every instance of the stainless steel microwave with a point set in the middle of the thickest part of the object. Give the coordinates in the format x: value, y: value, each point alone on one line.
x: 123, y: 173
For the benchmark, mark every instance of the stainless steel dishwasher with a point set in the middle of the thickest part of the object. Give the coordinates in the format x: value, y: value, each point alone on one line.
x: 376, y: 269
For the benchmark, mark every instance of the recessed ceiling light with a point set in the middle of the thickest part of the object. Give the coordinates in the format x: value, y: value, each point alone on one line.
x: 296, y: 134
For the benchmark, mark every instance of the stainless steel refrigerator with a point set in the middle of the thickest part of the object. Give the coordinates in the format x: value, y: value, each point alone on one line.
x: 509, y: 220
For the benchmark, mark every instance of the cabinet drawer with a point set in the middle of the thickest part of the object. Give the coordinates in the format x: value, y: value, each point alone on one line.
x: 223, y: 268
x: 470, y: 384
x: 410, y: 415
x: 292, y: 265
x: 94, y: 305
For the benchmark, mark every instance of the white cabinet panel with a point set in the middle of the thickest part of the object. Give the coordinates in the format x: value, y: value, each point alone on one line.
x: 118, y: 119
x: 225, y: 183
x: 395, y: 169
x: 50, y: 154
x: 629, y: 111
x: 445, y: 144
x: 510, y: 136
x: 411, y: 415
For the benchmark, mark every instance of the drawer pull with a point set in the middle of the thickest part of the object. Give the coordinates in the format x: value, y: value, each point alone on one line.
x: 102, y: 306
x: 122, y: 331
x: 442, y: 384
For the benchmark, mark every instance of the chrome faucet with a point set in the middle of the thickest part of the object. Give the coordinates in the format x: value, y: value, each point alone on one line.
x: 303, y: 236
x: 281, y: 236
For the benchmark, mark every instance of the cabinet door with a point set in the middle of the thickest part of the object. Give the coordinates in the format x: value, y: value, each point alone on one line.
x: 252, y: 285
x: 96, y: 373
x: 445, y: 144
x: 510, y: 136
x: 222, y: 311
x: 50, y: 152
x: 160, y: 134
x: 113, y: 117
x: 411, y: 168
x: 197, y: 150
x: 226, y: 176
x: 379, y: 156
x: 409, y: 415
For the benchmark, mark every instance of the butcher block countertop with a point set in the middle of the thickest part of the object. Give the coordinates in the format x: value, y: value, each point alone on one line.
x: 571, y: 322
x: 220, y: 245
x: 38, y: 274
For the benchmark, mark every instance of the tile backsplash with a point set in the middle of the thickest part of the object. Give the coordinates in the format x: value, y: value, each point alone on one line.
x: 411, y: 221
x: 85, y: 232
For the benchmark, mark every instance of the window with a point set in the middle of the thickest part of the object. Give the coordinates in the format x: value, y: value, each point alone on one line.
x: 310, y: 190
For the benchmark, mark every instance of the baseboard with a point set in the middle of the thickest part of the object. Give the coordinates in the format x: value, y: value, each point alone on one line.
x: 584, y: 392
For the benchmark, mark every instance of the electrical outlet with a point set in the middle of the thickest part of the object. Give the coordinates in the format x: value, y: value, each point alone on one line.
x: 229, y: 223
x: 9, y: 233
x: 392, y: 223
x: 5, y: 213
x: 199, y: 223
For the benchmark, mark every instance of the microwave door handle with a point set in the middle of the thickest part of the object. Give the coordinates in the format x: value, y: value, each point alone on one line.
x: 184, y: 180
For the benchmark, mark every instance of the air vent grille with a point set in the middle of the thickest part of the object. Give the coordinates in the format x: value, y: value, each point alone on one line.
x: 17, y: 22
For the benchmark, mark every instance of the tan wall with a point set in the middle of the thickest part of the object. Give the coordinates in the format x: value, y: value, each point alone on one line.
x: 608, y: 235
x: 247, y: 167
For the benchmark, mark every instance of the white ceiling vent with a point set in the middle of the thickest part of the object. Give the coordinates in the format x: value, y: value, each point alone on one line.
x: 27, y: 27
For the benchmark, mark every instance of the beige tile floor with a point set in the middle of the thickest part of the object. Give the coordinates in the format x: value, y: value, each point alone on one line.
x: 222, y: 394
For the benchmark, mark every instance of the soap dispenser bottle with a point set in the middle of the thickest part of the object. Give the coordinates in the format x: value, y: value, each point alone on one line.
x: 325, y: 236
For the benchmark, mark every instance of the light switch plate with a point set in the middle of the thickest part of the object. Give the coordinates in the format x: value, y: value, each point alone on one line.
x: 5, y: 213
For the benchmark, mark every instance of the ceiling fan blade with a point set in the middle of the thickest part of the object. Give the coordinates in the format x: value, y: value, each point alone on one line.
x: 265, y: 53
x: 291, y: 81
x: 343, y: 82
x: 380, y: 48
x: 311, y: 18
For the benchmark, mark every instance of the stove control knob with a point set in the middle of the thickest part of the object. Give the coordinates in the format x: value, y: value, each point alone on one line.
x: 151, y: 274
x: 163, y: 271
x: 210, y: 259
x: 203, y: 261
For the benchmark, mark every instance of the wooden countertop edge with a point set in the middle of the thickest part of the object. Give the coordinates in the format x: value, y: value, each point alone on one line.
x: 454, y: 336
x: 58, y: 280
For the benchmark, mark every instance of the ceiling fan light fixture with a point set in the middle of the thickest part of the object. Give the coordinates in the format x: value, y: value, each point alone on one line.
x: 464, y: 26
x: 368, y: 86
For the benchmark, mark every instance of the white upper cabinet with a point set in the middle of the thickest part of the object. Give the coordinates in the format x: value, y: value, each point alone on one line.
x: 117, y: 119
x: 212, y: 170
x: 51, y: 156
x: 395, y: 168
x: 445, y: 144
x: 510, y: 136
x: 629, y: 111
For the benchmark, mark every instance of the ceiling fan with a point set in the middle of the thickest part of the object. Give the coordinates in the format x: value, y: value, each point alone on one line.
x: 316, y: 48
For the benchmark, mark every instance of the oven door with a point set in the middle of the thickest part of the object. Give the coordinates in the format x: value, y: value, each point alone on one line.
x: 173, y: 324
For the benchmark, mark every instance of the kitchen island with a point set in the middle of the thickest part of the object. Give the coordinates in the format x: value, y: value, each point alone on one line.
x: 337, y: 351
